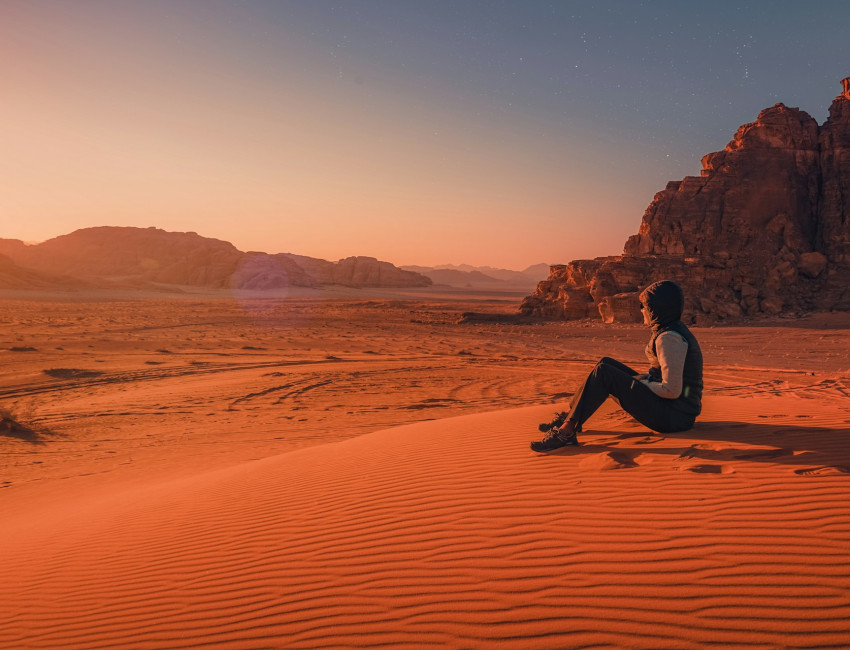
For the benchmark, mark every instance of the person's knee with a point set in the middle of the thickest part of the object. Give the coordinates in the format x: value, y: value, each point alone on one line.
x: 600, y: 366
x: 604, y: 370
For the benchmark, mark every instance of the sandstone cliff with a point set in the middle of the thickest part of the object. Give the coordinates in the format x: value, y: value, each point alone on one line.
x: 122, y: 256
x: 765, y: 229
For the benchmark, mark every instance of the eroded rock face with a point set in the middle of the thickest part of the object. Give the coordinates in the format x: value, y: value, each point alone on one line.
x: 835, y: 195
x: 621, y: 308
x: 765, y: 230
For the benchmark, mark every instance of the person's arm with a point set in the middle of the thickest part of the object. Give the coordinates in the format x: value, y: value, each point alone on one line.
x: 671, y: 349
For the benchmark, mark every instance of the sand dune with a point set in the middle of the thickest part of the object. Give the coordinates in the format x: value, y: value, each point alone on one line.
x: 453, y: 533
x: 196, y: 473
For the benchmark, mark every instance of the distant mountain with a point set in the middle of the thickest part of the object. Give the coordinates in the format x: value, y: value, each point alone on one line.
x: 464, y: 275
x: 131, y: 253
x: 358, y: 271
x: 539, y: 271
x: 455, y: 278
x: 124, y: 256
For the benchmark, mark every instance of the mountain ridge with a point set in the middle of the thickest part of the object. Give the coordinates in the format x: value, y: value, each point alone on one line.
x: 131, y: 257
x: 466, y: 275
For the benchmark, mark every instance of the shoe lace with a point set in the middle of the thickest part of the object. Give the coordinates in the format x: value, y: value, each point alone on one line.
x: 550, y: 435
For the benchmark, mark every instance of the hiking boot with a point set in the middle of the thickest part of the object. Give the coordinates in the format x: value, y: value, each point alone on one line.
x: 556, y: 422
x: 555, y: 439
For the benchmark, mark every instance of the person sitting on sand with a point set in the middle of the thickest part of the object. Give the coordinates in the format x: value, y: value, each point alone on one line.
x: 666, y: 399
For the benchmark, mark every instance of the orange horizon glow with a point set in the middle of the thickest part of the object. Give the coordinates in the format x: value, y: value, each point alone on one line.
x: 417, y: 135
x: 295, y: 157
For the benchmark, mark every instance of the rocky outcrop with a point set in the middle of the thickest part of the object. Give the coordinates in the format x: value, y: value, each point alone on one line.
x: 138, y: 257
x: 263, y: 272
x: 764, y: 230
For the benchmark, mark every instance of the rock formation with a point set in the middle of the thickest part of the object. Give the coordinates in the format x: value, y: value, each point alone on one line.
x: 764, y: 230
x: 263, y: 272
x: 131, y: 253
x: 138, y: 257
x: 358, y: 271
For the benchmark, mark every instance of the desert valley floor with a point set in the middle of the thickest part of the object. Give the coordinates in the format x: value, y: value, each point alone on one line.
x: 354, y: 471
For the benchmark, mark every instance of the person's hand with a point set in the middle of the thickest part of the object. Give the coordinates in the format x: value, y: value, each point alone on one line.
x: 642, y: 377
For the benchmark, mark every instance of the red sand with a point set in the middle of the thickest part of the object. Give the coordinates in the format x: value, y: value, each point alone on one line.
x: 447, y: 532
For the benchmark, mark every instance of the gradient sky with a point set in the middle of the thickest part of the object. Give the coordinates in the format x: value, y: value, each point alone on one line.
x: 418, y: 132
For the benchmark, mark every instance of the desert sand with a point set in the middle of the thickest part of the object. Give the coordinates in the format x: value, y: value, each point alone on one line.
x: 226, y: 471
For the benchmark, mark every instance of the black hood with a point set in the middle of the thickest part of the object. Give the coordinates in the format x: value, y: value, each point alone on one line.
x: 665, y: 301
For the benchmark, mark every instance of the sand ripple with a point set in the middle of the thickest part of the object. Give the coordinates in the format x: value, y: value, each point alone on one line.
x: 452, y: 533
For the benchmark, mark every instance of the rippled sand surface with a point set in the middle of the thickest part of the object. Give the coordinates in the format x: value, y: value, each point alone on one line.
x: 324, y: 473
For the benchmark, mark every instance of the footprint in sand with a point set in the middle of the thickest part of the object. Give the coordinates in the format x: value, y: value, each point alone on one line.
x: 608, y: 460
x: 701, y: 450
x: 825, y: 470
x: 648, y: 440
x: 711, y: 469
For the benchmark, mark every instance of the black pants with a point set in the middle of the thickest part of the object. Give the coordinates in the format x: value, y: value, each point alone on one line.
x: 612, y: 378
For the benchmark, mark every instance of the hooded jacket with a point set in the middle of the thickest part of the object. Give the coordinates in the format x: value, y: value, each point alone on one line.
x: 665, y: 302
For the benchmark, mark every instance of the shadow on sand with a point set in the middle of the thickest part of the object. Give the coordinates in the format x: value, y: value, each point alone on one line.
x: 810, y: 450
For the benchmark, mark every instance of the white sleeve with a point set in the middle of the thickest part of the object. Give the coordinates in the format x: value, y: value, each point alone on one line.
x: 672, y: 349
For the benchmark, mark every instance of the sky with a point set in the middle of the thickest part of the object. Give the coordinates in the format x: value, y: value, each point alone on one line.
x: 419, y: 132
